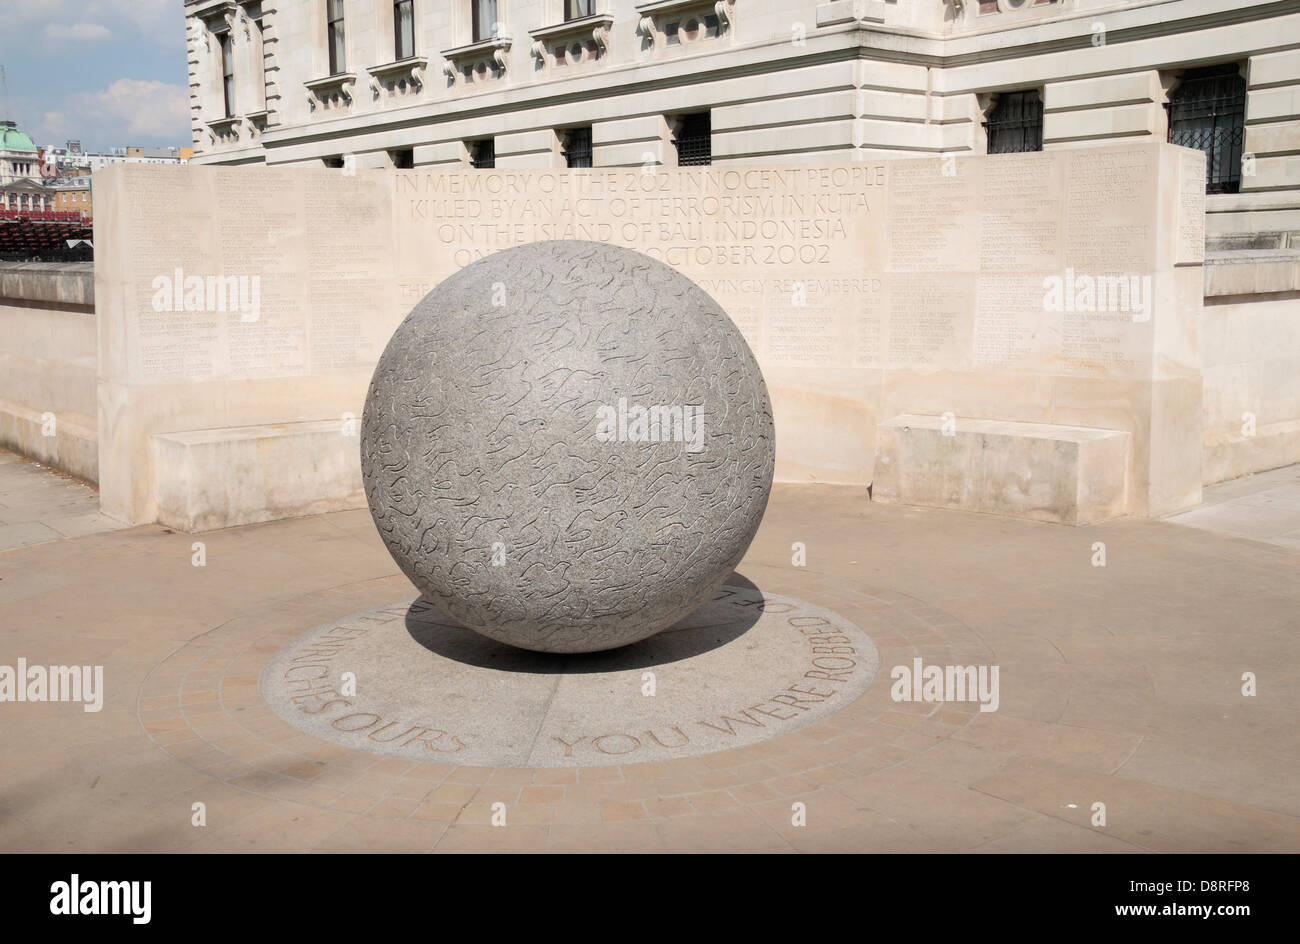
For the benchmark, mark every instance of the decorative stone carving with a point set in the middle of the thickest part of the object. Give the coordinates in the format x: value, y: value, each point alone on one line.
x: 726, y: 11
x: 657, y: 16
x: 403, y: 78
x: 590, y: 32
x: 492, y: 53
x: 516, y: 472
x: 225, y: 130
x: 646, y: 27
x: 331, y: 92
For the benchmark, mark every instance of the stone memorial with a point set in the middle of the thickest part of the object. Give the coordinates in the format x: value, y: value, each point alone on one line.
x: 1016, y: 334
x: 567, y: 446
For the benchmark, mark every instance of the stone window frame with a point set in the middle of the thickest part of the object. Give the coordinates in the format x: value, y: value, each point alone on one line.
x: 492, y: 52
x: 217, y: 23
x: 404, y: 77
x: 333, y: 91
x: 254, y: 21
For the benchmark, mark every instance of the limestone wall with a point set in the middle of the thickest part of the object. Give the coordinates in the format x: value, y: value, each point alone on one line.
x: 868, y: 292
x: 786, y: 81
x: 1250, y: 333
x: 48, y: 364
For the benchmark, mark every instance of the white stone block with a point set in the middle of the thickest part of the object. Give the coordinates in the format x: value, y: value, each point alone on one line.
x: 65, y: 441
x: 217, y: 478
x: 1131, y: 88
x: 1067, y: 474
x: 1275, y: 68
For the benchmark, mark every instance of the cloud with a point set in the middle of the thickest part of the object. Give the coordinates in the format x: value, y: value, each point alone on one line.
x: 76, y: 32
x: 146, y: 109
x: 128, y: 111
x: 158, y: 21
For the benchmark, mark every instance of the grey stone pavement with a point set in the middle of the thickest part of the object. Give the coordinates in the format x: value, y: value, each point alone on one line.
x: 38, y: 504
x: 1119, y: 685
x: 1263, y: 507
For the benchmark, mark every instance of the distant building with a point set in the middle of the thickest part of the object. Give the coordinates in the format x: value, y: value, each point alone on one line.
x: 26, y: 195
x: 617, y: 83
x: 19, y: 158
x: 72, y: 158
x: 73, y: 195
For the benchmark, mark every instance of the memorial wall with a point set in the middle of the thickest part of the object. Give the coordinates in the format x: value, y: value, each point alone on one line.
x: 1059, y: 288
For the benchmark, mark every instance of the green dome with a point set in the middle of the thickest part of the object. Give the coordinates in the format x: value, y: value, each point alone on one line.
x: 11, y: 139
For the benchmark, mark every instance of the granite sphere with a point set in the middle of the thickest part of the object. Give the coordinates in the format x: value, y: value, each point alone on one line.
x: 567, y: 446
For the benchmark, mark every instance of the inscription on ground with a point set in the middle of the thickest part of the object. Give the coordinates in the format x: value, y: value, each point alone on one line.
x: 744, y: 667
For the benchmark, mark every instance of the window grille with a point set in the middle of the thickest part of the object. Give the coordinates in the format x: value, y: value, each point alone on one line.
x: 483, y: 154
x: 577, y: 147
x: 1015, y: 124
x: 1207, y: 112
x: 695, y: 141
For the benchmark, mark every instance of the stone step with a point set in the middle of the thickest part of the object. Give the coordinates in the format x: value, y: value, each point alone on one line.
x: 217, y: 478
x: 66, y: 441
x: 1067, y: 474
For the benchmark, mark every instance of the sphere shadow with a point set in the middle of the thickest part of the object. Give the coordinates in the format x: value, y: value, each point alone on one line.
x: 733, y: 610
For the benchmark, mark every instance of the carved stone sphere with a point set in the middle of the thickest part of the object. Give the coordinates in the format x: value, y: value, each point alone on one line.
x: 567, y: 446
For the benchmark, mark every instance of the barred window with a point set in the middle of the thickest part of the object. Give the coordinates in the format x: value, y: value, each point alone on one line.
x: 483, y: 154
x: 577, y: 147
x: 695, y: 140
x: 1207, y: 112
x: 1015, y: 124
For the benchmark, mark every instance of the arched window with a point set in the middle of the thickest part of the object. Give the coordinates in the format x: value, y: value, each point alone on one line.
x: 1207, y: 112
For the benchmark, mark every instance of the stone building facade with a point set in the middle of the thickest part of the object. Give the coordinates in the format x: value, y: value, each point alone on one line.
x: 545, y: 83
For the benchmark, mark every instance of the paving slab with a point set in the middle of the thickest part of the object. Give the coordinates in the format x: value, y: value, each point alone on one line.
x: 1120, y: 683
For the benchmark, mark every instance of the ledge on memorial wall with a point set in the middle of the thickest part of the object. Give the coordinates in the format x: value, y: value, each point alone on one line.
x: 581, y: 41
x: 1238, y: 272
x: 478, y: 61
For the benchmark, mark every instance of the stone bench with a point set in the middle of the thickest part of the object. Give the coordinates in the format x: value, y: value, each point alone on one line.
x: 69, y: 443
x: 218, y: 478
x: 1066, y: 474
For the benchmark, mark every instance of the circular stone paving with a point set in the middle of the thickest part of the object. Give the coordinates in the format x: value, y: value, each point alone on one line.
x: 405, y: 681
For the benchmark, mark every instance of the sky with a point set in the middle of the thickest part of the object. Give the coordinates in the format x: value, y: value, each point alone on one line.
x: 110, y: 73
